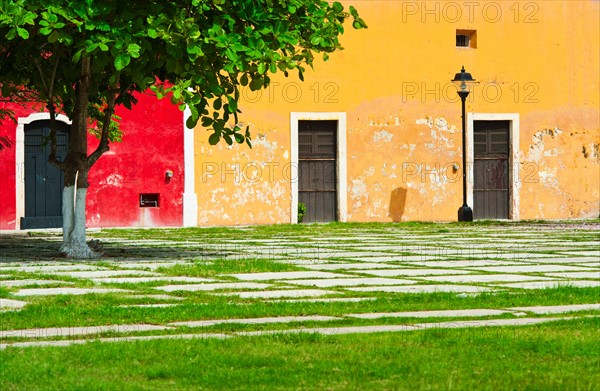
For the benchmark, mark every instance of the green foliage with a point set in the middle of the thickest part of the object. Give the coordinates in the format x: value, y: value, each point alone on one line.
x: 301, y: 211
x: 202, y: 51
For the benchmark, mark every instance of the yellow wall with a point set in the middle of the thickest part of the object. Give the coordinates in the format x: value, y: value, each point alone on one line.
x: 537, y: 59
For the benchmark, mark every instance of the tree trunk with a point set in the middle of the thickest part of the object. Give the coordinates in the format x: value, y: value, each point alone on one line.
x: 76, y: 174
x: 74, y: 239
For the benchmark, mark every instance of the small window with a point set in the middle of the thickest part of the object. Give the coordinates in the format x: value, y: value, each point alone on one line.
x: 466, y: 39
x: 149, y: 200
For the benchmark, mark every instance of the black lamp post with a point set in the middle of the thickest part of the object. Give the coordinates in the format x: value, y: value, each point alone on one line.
x: 464, y: 81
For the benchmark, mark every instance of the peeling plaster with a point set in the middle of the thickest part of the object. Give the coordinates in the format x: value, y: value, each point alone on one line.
x: 382, y: 136
x: 113, y: 180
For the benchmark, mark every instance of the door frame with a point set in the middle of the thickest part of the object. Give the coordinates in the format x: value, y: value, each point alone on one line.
x: 341, y: 160
x: 514, y: 184
x: 20, y: 159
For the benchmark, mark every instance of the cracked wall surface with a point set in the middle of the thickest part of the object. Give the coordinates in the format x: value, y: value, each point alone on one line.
x: 404, y: 124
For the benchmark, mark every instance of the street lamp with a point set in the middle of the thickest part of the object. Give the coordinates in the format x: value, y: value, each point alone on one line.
x: 464, y: 82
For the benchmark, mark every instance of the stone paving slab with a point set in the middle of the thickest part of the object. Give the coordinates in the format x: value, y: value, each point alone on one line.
x: 579, y: 261
x: 280, y: 293
x: 130, y: 338
x: 487, y: 323
x: 431, y: 314
x: 552, y: 284
x: 266, y: 320
x: 51, y: 268
x: 15, y: 304
x: 107, y: 273
x: 348, y: 266
x: 594, y: 253
x: 483, y: 278
x: 593, y: 264
x: 163, y: 305
x: 530, y: 268
x: 212, y: 287
x: 583, y: 275
x: 464, y: 263
x: 64, y: 291
x: 394, y: 258
x: 149, y: 265
x: 283, y: 276
x: 411, y: 272
x: 26, y: 282
x: 422, y: 289
x: 326, y: 300
x: 134, y: 280
x: 85, y: 330
x: 558, y: 309
x: 328, y: 283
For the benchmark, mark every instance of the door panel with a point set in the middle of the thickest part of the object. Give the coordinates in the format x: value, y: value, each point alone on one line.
x: 491, y: 170
x: 43, y: 181
x: 317, y: 188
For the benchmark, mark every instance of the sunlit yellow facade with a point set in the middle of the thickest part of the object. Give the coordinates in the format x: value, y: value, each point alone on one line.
x: 537, y: 64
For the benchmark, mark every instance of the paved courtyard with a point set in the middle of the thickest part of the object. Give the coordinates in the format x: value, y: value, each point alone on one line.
x: 360, y: 266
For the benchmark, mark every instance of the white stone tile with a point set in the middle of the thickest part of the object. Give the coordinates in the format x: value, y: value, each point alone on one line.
x: 136, y: 280
x: 486, y: 323
x: 430, y: 314
x: 85, y: 330
x: 394, y: 258
x: 552, y: 284
x: 584, y: 275
x: 51, y: 268
x: 281, y: 293
x: 107, y: 273
x: 149, y: 265
x: 327, y: 283
x: 483, y: 278
x: 279, y: 319
x: 348, y: 266
x: 64, y: 291
x: 575, y: 260
x: 162, y: 305
x: 8, y: 303
x: 17, y: 283
x: 422, y: 289
x: 212, y: 287
x: 595, y: 265
x: 157, y: 297
x: 284, y: 275
x: 464, y: 263
x: 411, y: 272
x: 326, y: 300
x: 129, y: 338
x: 591, y: 253
x: 558, y: 309
x: 530, y: 268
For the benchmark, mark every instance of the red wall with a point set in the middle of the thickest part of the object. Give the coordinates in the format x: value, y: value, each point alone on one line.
x: 152, y: 144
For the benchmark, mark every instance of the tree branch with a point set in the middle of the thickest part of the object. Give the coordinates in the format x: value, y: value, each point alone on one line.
x: 52, y: 109
x: 103, y: 146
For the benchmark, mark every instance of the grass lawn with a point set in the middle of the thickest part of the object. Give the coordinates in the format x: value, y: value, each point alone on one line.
x: 563, y: 354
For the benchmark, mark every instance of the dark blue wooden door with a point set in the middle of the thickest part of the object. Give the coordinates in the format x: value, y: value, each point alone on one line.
x: 43, y: 181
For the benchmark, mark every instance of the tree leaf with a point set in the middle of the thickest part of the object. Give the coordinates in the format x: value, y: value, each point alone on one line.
x: 22, y: 33
x: 122, y: 61
x: 214, y: 139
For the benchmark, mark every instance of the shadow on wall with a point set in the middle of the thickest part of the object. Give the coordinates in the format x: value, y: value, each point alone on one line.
x: 397, y: 203
x: 5, y: 142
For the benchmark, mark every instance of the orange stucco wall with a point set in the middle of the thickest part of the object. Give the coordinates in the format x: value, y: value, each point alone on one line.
x: 539, y: 60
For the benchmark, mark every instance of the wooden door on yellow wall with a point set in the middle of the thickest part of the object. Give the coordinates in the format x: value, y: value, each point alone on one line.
x: 317, y: 178
x: 491, y: 170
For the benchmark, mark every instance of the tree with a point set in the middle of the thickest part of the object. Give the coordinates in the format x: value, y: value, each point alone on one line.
x: 83, y: 58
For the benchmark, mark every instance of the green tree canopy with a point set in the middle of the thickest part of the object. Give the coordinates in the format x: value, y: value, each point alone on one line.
x: 84, y: 57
